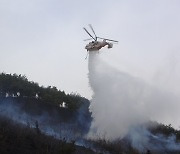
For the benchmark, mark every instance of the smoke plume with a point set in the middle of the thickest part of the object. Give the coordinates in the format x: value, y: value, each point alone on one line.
x: 121, y: 101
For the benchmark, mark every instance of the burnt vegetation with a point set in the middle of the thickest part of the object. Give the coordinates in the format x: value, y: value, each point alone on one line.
x: 20, y: 139
x: 50, y: 107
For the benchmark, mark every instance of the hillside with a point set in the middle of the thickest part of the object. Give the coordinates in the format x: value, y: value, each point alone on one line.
x: 24, y: 104
x: 27, y: 102
x: 37, y: 119
x: 21, y: 139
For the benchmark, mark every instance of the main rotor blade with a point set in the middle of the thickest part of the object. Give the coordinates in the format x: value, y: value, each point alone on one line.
x: 108, y: 39
x: 89, y: 33
x: 92, y: 30
x: 87, y: 39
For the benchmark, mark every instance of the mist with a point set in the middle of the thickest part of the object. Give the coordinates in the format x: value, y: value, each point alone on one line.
x: 121, y: 101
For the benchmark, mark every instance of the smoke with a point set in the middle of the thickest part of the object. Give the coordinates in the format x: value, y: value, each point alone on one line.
x: 121, y: 101
x: 58, y: 122
x: 143, y: 140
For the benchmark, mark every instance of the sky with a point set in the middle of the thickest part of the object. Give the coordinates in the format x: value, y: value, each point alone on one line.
x: 43, y: 39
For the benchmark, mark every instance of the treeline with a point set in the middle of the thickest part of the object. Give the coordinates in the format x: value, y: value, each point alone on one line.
x: 13, y: 85
x: 166, y: 130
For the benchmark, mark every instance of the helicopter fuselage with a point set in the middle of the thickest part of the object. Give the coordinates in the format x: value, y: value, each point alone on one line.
x: 97, y: 45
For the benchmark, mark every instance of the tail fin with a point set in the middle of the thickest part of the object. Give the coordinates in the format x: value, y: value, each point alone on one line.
x: 110, y: 45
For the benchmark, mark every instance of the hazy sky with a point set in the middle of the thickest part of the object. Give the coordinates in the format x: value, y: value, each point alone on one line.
x: 43, y: 39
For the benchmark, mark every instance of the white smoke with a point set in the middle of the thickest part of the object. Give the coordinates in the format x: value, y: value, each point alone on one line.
x: 121, y: 101
x: 142, y: 140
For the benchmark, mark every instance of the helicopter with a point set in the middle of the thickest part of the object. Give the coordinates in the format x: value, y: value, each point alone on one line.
x: 96, y: 45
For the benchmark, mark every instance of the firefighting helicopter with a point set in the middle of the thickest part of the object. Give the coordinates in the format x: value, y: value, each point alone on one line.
x: 96, y: 45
